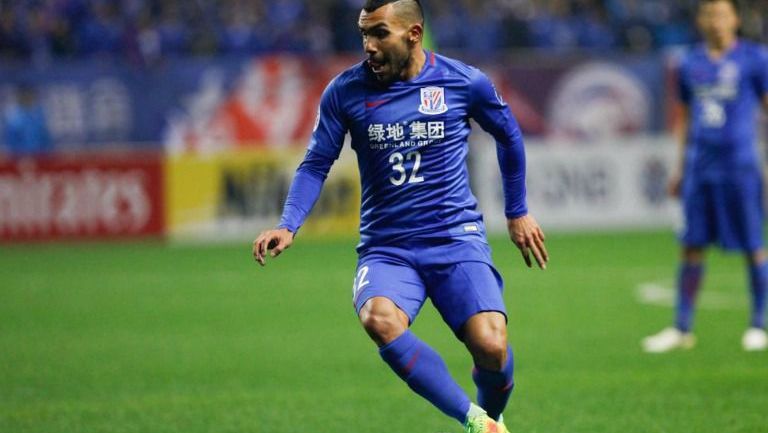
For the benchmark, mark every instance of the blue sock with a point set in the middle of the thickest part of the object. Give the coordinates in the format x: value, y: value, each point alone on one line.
x: 688, y: 281
x: 494, y: 387
x: 758, y: 279
x: 426, y: 373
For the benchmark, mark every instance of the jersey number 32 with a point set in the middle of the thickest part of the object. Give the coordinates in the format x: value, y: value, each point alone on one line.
x: 397, y: 160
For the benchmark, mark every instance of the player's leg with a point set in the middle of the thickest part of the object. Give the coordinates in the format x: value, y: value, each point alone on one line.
x: 700, y: 230
x: 485, y: 335
x: 688, y: 284
x: 743, y: 216
x: 680, y: 336
x: 468, y: 295
x: 700, y: 206
x: 758, y: 278
x: 756, y: 338
x: 388, y: 296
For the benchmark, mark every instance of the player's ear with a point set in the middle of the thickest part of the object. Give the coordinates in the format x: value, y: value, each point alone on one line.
x: 415, y: 34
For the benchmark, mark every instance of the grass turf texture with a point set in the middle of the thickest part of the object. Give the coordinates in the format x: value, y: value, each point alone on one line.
x: 151, y: 338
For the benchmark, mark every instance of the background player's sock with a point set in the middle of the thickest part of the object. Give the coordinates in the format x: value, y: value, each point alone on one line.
x: 425, y: 373
x: 758, y: 279
x: 494, y: 387
x: 688, y: 281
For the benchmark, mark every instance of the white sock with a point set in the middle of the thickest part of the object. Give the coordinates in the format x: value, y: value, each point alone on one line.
x: 474, y: 410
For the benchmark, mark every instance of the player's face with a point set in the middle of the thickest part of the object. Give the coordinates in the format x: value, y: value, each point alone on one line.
x: 385, y: 40
x: 718, y: 22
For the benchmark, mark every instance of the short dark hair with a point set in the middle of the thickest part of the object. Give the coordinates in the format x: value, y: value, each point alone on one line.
x: 410, y: 7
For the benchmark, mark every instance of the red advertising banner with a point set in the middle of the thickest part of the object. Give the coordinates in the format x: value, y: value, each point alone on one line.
x: 83, y: 197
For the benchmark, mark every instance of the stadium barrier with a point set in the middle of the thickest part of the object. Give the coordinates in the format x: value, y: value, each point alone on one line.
x: 111, y: 196
x: 235, y: 194
x: 611, y: 184
x: 239, y: 193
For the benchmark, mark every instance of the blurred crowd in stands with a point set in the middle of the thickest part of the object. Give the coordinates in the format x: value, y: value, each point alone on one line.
x: 144, y: 31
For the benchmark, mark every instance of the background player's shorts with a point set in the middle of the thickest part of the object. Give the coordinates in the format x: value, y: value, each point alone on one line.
x: 727, y: 213
x: 456, y: 274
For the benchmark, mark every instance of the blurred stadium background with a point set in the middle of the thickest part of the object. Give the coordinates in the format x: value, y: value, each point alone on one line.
x: 171, y: 129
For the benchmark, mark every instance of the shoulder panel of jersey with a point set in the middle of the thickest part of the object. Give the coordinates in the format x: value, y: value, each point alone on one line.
x: 448, y: 65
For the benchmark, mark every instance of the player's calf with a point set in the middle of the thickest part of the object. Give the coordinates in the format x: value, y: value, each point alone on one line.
x: 485, y: 335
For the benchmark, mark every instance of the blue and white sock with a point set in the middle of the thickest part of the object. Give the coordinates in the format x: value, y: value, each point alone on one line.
x: 495, y: 387
x: 425, y: 373
x: 688, y: 282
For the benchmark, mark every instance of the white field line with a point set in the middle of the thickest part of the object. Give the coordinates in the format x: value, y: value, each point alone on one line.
x: 662, y: 294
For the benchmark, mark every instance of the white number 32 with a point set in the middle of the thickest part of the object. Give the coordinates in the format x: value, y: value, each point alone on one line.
x: 397, y: 160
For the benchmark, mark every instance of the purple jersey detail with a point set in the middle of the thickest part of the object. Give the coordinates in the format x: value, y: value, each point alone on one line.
x: 722, y: 96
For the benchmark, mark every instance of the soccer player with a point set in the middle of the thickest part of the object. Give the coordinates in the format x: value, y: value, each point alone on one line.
x: 719, y: 177
x: 421, y: 236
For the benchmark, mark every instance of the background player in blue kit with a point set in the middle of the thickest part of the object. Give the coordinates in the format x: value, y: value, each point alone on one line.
x: 421, y: 236
x: 721, y: 84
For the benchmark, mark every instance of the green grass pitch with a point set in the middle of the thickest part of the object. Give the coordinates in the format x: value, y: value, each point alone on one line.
x: 151, y: 338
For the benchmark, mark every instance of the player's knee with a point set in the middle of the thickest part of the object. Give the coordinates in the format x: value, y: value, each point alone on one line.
x: 383, y: 321
x: 489, y: 348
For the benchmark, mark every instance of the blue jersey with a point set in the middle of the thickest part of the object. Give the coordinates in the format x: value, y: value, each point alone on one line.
x: 722, y: 96
x: 411, y: 143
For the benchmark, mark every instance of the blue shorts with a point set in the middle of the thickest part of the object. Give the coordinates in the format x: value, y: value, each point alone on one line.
x: 728, y: 213
x: 456, y: 274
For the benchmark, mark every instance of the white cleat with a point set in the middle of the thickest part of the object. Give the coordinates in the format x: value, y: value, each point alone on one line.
x: 668, y: 339
x: 754, y: 340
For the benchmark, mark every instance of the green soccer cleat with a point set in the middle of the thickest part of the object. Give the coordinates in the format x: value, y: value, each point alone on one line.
x: 483, y: 424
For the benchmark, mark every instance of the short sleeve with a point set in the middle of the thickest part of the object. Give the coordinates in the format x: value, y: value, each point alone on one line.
x: 330, y: 125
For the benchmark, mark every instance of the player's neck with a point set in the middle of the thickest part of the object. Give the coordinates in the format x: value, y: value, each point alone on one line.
x: 717, y: 49
x: 417, y: 64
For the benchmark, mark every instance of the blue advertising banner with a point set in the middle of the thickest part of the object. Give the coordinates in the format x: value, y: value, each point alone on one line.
x: 207, y: 105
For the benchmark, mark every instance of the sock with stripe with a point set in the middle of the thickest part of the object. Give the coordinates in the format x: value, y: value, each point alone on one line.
x: 494, y: 387
x: 425, y: 373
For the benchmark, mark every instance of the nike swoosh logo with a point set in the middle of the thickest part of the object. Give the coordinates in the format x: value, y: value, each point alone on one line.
x: 373, y: 104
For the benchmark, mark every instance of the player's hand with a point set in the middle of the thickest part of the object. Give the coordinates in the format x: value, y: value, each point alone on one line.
x: 275, y: 241
x: 529, y: 238
x: 674, y: 185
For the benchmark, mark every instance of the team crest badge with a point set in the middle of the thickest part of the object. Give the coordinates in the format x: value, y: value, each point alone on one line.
x: 432, y: 100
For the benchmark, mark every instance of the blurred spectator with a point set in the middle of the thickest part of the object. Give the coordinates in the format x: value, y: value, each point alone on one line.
x: 146, y: 31
x: 553, y: 26
x: 101, y: 34
x: 13, y: 38
x: 173, y: 32
x: 26, y: 131
x: 242, y: 21
x: 593, y: 28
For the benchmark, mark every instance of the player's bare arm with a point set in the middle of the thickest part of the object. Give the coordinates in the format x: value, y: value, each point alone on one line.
x: 273, y: 241
x: 526, y: 234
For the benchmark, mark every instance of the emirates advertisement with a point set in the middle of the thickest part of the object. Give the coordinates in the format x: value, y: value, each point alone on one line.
x: 80, y: 198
